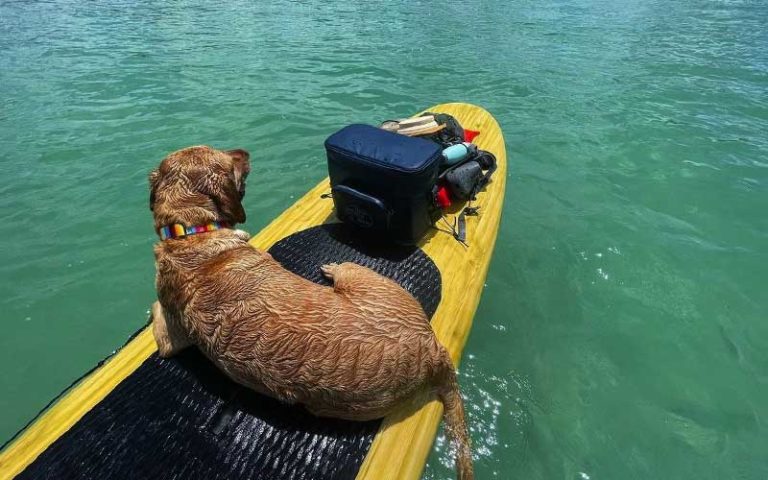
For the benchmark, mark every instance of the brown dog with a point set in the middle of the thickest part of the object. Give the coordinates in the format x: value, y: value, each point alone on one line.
x: 354, y: 351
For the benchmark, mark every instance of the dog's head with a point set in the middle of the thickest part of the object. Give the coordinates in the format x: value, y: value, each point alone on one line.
x: 199, y: 185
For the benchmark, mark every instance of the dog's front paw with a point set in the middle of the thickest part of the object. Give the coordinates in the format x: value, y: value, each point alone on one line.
x: 329, y: 270
x: 242, y: 234
x: 156, y: 312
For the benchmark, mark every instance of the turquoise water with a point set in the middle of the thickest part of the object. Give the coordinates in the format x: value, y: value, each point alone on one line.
x: 622, y: 333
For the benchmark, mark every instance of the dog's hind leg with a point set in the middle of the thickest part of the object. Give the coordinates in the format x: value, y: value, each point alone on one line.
x: 372, y: 291
x: 168, y: 336
x: 356, y: 280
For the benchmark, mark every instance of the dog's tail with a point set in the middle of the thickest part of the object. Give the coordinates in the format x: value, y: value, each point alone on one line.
x: 453, y: 414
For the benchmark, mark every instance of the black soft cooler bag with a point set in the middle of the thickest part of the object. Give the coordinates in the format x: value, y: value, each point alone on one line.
x: 383, y: 182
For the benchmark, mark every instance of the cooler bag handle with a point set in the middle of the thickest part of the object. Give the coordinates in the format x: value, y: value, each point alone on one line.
x: 360, y: 209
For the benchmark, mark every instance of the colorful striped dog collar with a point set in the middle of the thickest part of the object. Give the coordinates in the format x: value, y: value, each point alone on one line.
x: 178, y: 230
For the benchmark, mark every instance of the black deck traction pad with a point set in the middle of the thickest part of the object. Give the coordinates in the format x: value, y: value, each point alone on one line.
x: 181, y: 418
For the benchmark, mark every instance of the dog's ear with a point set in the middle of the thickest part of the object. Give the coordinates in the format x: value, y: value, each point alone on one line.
x: 154, y: 180
x: 227, y: 201
x: 241, y: 166
x: 239, y: 155
x: 226, y: 193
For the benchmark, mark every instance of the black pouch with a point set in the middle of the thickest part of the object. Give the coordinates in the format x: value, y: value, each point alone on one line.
x: 383, y: 182
x: 465, y: 179
x: 462, y: 181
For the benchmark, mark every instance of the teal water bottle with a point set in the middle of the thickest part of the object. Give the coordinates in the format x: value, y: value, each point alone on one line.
x: 456, y: 153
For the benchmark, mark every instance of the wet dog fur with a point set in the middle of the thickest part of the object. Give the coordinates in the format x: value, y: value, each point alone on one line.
x: 355, y: 350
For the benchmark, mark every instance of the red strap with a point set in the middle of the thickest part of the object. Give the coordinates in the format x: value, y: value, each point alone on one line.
x: 470, y: 135
x: 443, y: 198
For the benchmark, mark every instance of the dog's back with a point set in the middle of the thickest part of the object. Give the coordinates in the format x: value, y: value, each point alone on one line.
x: 355, y: 350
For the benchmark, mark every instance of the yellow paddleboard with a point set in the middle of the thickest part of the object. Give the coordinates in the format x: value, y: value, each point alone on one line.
x: 400, y: 448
